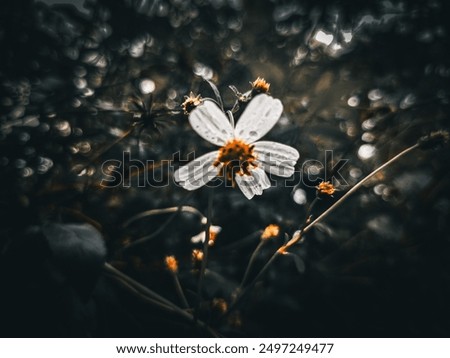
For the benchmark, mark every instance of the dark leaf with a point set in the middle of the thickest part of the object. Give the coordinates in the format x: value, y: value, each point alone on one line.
x: 79, y: 251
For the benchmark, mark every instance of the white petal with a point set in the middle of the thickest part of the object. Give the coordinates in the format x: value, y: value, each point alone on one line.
x: 276, y: 158
x: 211, y: 123
x: 244, y: 186
x: 254, y: 184
x: 196, y: 239
x: 261, y: 178
x: 198, y: 172
x: 258, y: 118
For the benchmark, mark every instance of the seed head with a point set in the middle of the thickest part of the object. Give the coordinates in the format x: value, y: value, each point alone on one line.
x: 325, y: 188
x: 434, y: 140
x: 260, y: 86
x: 191, y: 102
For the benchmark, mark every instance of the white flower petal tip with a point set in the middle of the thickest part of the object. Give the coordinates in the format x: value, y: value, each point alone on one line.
x: 198, y: 172
x: 254, y: 184
x: 258, y: 118
x: 211, y: 124
x: 276, y: 158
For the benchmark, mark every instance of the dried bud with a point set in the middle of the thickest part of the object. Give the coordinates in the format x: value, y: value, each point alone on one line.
x: 260, y: 86
x: 325, y: 188
x: 191, y: 102
x: 197, y: 256
x: 270, y: 231
x: 434, y: 140
x: 219, y: 305
x: 235, y: 319
x: 171, y: 264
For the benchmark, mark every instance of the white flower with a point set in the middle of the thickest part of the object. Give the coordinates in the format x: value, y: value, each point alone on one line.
x: 240, y: 159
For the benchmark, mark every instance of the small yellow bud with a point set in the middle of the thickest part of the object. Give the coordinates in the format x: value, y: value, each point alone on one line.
x: 197, y: 256
x: 171, y: 264
x: 270, y: 231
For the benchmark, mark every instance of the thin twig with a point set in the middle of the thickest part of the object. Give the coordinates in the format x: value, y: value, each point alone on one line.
x: 141, y: 288
x: 152, y: 297
x: 179, y: 290
x: 150, y: 300
x: 205, y: 250
x: 250, y: 264
x: 162, y: 227
x: 245, y: 240
x: 173, y: 209
x: 308, y: 212
x: 246, y: 290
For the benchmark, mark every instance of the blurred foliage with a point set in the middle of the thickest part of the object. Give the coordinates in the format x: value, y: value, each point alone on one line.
x: 82, y: 84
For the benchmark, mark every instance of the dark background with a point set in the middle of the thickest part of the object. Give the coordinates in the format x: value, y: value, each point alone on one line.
x: 70, y: 78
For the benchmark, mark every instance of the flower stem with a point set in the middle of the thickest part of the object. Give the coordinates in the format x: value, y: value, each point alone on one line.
x: 205, y: 250
x: 180, y: 291
x: 172, y: 209
x: 162, y: 227
x: 308, y: 213
x: 250, y: 264
x: 242, y: 293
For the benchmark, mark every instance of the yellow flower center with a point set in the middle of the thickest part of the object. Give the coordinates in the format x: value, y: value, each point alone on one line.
x: 236, y: 157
